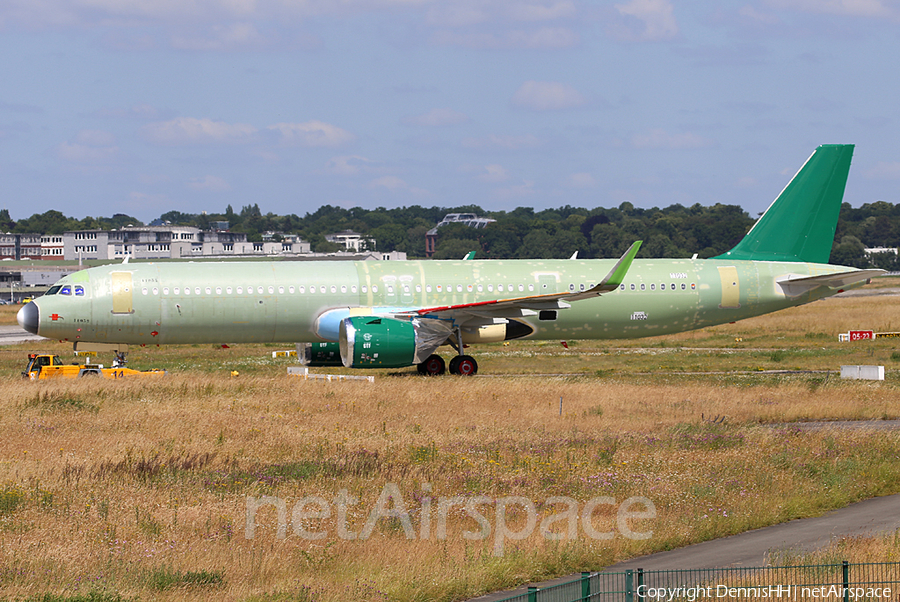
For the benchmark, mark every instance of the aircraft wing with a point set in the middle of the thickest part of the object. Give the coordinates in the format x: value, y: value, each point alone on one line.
x: 797, y: 285
x: 529, y: 305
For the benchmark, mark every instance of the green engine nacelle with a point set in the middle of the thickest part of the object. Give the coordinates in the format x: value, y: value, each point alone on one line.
x: 373, y: 342
x: 319, y: 354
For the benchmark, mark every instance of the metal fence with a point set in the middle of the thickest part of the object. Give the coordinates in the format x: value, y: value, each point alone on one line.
x: 847, y: 582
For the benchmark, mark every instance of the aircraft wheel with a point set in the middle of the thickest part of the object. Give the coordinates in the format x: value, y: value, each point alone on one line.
x: 465, y: 365
x: 433, y: 366
x: 454, y: 364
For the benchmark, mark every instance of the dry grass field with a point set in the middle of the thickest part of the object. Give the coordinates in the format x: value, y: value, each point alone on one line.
x: 136, y: 490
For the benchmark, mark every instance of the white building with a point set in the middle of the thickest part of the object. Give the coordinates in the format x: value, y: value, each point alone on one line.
x: 352, y: 241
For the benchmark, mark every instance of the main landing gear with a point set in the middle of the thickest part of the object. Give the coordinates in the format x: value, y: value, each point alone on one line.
x: 463, y: 365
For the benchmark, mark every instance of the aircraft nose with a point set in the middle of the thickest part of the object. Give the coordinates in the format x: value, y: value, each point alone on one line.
x: 28, y: 317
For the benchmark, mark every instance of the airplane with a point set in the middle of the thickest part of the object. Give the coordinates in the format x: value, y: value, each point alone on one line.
x: 397, y: 314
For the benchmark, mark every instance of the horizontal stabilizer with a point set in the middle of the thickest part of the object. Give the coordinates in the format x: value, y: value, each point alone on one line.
x: 794, y: 286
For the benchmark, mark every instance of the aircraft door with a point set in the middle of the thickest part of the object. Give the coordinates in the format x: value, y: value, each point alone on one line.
x: 122, y: 289
x: 390, y: 285
x: 406, y: 290
x: 547, y: 283
x: 731, y: 290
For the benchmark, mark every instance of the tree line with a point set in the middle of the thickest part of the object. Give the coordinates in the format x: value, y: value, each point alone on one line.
x: 675, y: 231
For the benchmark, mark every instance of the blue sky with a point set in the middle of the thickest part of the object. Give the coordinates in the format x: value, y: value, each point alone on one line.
x: 144, y: 106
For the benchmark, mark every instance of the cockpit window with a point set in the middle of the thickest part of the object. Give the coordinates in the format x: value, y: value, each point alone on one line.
x: 79, y: 291
x: 66, y: 290
x: 54, y: 289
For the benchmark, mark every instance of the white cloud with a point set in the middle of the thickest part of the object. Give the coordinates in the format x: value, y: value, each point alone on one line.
x: 395, y: 184
x: 493, y: 173
x: 655, y: 16
x: 519, y: 191
x: 542, y: 38
x: 884, y: 171
x: 95, y: 138
x: 140, y: 112
x: 547, y: 96
x: 211, y: 183
x: 348, y: 165
x: 313, y: 134
x: 81, y: 153
x: 436, y: 118
x: 389, y: 182
x: 540, y: 12
x: 581, y: 180
x: 751, y: 13
x: 90, y: 147
x: 853, y: 8
x: 505, y: 142
x: 660, y: 139
x: 221, y: 37
x: 189, y: 130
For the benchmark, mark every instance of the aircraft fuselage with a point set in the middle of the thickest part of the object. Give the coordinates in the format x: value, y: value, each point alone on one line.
x: 261, y: 302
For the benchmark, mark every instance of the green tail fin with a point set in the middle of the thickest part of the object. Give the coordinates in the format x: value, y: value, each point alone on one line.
x: 800, y: 224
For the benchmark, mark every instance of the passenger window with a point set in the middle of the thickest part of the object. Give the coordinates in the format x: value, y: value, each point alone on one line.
x: 218, y: 290
x: 79, y: 291
x: 187, y: 291
x: 353, y: 289
x: 291, y: 290
x: 271, y: 290
x: 683, y: 286
x: 672, y: 286
x: 312, y: 290
x: 323, y: 290
x: 531, y: 287
x: 374, y: 288
x: 208, y: 291
x: 621, y: 287
x: 390, y: 289
x: 405, y: 289
x: 155, y: 291
x: 571, y: 287
x: 652, y: 286
x: 458, y: 288
x: 490, y: 288
x: 580, y: 287
x: 143, y: 291
x: 66, y: 290
x: 227, y: 290
x: 240, y: 290
x: 333, y: 288
x: 177, y: 291
x: 427, y: 288
x: 522, y: 287
x: 418, y: 288
x: 280, y: 290
x: 166, y: 291
x: 632, y: 287
x: 480, y: 288
x: 440, y: 287
x: 343, y: 288
x: 643, y: 287
x: 365, y: 289
x: 300, y: 289
x: 470, y: 288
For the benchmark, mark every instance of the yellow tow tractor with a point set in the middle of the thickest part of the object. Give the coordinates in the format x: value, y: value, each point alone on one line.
x: 42, y: 366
